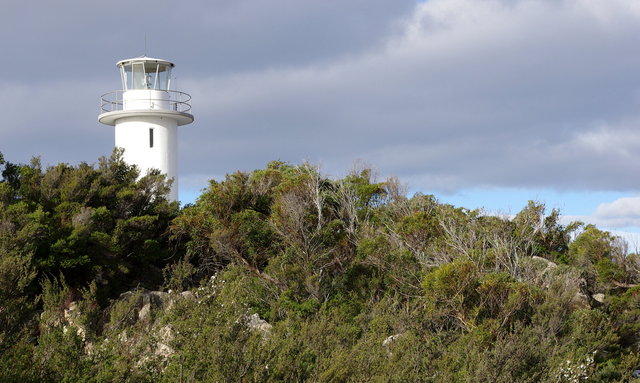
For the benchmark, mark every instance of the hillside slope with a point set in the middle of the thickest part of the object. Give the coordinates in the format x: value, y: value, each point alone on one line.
x: 282, y: 274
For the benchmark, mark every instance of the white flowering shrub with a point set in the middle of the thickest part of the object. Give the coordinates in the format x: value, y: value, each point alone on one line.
x: 576, y: 371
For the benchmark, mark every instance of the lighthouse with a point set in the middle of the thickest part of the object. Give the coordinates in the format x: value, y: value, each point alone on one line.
x: 146, y: 114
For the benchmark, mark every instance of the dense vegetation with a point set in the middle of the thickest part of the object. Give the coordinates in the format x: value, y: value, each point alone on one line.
x: 283, y: 274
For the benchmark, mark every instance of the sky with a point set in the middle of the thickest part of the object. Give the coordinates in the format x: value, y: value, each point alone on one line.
x: 484, y: 103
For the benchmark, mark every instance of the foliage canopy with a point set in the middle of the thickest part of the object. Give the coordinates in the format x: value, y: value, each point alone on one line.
x: 284, y: 274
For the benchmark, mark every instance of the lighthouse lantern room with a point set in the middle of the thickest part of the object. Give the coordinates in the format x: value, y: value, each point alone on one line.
x: 146, y: 114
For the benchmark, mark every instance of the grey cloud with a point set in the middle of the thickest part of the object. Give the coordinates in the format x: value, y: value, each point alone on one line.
x: 59, y: 57
x: 56, y: 122
x: 503, y: 95
x: 75, y: 38
x: 446, y: 94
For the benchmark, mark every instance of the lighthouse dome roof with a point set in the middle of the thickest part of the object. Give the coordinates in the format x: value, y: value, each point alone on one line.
x: 144, y: 59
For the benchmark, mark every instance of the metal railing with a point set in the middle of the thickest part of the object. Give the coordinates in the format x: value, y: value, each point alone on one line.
x: 176, y: 101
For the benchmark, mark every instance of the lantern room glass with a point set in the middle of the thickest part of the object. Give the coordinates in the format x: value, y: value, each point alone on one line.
x: 145, y: 75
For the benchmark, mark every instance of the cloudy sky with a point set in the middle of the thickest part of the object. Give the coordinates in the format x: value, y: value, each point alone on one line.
x: 485, y: 103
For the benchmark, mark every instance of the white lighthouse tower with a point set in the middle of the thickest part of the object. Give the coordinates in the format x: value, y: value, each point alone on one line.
x: 146, y: 114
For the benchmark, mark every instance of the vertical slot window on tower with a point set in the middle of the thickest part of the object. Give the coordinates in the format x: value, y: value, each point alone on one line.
x: 151, y: 137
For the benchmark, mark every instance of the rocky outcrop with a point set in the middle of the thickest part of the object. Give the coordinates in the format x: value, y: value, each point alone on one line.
x: 136, y: 323
x: 163, y: 346
x: 71, y: 316
x: 580, y: 301
x: 254, y: 322
x: 538, y: 270
x: 145, y: 304
x: 549, y: 265
x: 389, y: 341
x: 545, y: 273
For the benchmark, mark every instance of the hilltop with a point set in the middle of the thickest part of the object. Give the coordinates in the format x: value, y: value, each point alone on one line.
x: 284, y: 274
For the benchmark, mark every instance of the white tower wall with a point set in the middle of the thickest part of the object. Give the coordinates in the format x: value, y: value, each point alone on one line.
x: 150, y: 143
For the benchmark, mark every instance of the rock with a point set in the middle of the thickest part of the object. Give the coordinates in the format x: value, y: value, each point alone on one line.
x: 580, y: 301
x: 139, y: 325
x: 71, y: 315
x: 187, y: 295
x: 389, y: 341
x: 165, y: 337
x: 145, y: 307
x: 89, y: 348
x: 254, y: 322
x: 146, y: 303
x: 172, y: 298
x: 71, y: 312
x: 598, y: 297
x: 145, y: 312
x: 160, y: 351
x: 538, y: 270
x: 166, y: 334
x: 635, y: 374
x: 550, y: 265
x: 157, y: 299
x: 164, y: 351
